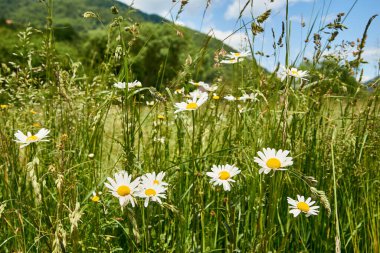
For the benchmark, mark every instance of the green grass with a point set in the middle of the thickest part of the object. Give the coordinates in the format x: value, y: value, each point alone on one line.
x: 45, y: 188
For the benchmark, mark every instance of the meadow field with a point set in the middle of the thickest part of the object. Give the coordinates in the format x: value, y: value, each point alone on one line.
x: 247, y: 160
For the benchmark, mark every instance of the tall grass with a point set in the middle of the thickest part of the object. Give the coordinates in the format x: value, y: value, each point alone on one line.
x: 97, y: 130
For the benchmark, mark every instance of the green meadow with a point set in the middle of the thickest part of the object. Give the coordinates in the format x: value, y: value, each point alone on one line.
x: 249, y: 160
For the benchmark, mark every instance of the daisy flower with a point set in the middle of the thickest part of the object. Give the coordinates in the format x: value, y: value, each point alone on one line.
x: 293, y: 72
x: 152, y: 178
x: 95, y: 197
x: 134, y: 84
x: 193, y: 103
x: 215, y: 96
x: 272, y: 160
x: 222, y: 175
x: 204, y: 86
x: 197, y: 94
x: 300, y: 205
x: 123, y: 188
x: 197, y: 84
x: 123, y: 85
x: 209, y: 88
x: 120, y: 85
x: 236, y: 55
x: 150, y: 103
x: 179, y: 91
x: 230, y: 98
x: 151, y: 192
x: 29, y: 138
x: 232, y: 61
x: 245, y: 97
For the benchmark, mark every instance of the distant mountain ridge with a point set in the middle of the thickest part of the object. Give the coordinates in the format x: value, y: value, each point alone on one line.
x: 70, y: 12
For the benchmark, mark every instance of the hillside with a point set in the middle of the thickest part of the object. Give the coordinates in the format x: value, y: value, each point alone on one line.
x: 85, y: 40
x: 69, y: 12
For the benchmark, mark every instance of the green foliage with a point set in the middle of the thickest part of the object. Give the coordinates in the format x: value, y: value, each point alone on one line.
x: 46, y: 188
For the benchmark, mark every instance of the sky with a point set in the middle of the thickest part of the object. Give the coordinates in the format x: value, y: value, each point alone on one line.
x: 221, y: 20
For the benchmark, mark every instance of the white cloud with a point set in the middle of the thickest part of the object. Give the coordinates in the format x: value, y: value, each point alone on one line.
x: 371, y: 54
x: 158, y: 7
x: 257, y: 7
x: 238, y: 40
x: 165, y: 7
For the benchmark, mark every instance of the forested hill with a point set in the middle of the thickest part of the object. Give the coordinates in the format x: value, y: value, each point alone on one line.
x: 69, y: 12
x: 157, y: 43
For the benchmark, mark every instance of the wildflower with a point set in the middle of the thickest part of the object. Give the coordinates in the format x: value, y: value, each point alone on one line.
x: 272, y: 160
x: 95, y: 197
x: 123, y: 85
x: 193, y: 103
x: 179, y: 91
x: 222, y: 174
x: 134, y: 84
x: 36, y: 124
x: 33, y: 112
x: 151, y: 192
x: 197, y: 94
x: 4, y: 106
x: 161, y: 117
x: 236, y: 55
x: 197, y: 84
x: 245, y: 97
x: 29, y: 138
x: 215, y: 97
x: 300, y: 205
x: 123, y: 188
x: 204, y: 86
x: 91, y: 155
x: 230, y: 98
x: 207, y: 87
x: 149, y: 103
x: 293, y: 72
x: 120, y: 85
x: 153, y: 178
x: 232, y: 61
x: 159, y: 139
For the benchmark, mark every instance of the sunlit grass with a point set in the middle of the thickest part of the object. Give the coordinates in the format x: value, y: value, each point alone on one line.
x: 55, y: 195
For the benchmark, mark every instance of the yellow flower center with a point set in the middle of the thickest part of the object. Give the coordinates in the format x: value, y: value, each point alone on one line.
x: 273, y: 163
x: 303, y: 207
x: 161, y: 116
x: 156, y: 182
x: 196, y: 84
x: 216, y: 97
x: 37, y: 124
x: 191, y: 106
x: 32, y: 138
x: 294, y: 72
x: 150, y: 192
x: 237, y: 54
x: 123, y: 190
x: 33, y: 111
x: 95, y: 198
x: 3, y: 106
x: 224, y: 175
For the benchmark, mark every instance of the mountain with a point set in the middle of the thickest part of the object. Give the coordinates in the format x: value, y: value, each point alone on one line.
x: 158, y: 52
x: 34, y: 12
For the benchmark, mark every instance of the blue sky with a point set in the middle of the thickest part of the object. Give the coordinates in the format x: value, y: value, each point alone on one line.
x: 221, y: 18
